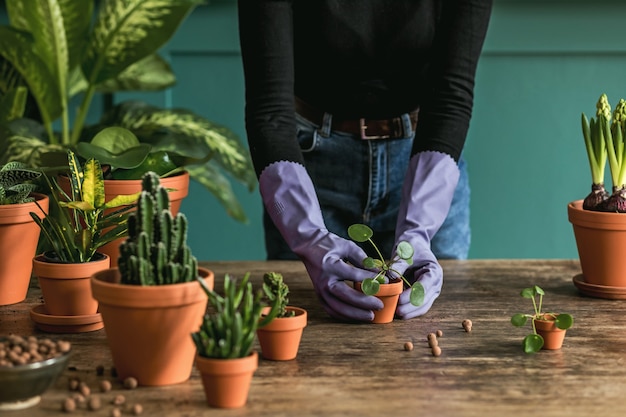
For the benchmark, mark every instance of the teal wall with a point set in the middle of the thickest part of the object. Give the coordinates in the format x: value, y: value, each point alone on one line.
x: 544, y: 62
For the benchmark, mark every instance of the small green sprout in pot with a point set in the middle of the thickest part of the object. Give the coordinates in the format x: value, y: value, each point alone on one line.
x: 384, y: 269
x: 276, y: 290
x: 534, y: 341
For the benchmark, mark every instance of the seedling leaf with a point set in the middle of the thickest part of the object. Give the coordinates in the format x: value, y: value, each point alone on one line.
x: 360, y: 232
x: 417, y: 294
x: 532, y: 343
x: 405, y: 251
x: 564, y: 321
x: 370, y: 286
x: 519, y: 320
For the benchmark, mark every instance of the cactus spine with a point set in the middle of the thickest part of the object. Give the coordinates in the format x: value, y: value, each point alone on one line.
x: 156, y: 252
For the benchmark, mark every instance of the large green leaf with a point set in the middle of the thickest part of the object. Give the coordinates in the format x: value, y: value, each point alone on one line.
x: 18, y: 48
x: 127, y: 31
x: 13, y: 103
x: 152, y: 73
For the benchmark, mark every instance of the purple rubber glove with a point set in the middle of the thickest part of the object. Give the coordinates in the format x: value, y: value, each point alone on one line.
x: 426, y: 197
x: 288, y: 194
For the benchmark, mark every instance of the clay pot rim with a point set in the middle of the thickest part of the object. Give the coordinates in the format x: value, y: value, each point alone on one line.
x: 298, y: 321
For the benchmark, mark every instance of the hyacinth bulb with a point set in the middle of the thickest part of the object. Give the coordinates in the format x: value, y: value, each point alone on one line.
x: 596, y: 198
x: 616, y: 203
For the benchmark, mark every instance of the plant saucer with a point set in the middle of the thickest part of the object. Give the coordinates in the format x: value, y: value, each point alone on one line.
x: 65, y: 324
x: 599, y: 291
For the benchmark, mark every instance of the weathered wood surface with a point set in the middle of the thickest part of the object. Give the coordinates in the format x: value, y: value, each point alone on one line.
x: 362, y: 369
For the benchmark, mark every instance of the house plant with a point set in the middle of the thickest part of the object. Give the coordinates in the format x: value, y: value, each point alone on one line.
x: 388, y: 283
x: 598, y: 220
x: 548, y: 328
x: 82, y: 225
x: 17, y: 200
x: 152, y: 302
x: 280, y: 338
x: 49, y: 64
x: 224, y: 342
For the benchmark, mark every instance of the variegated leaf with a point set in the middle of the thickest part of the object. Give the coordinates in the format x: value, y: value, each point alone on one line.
x: 152, y: 73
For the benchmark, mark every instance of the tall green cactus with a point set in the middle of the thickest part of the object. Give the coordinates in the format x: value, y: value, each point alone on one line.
x: 156, y: 252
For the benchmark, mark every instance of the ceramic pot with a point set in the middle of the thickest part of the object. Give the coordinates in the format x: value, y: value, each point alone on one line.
x: 66, y: 287
x: 19, y: 235
x: 389, y: 295
x: 600, y: 239
x: 149, y: 328
x: 178, y: 186
x: 280, y: 339
x: 226, y: 382
x: 552, y: 336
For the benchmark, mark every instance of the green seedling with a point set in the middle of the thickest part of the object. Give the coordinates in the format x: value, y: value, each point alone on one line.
x: 385, y: 268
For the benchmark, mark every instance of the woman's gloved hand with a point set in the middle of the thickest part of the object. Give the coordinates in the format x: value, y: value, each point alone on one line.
x: 290, y: 199
x: 427, y: 193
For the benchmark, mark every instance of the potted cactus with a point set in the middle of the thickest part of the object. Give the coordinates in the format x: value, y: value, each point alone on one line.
x: 83, y: 222
x: 598, y: 220
x: 17, y: 200
x: 224, y: 342
x: 280, y: 338
x: 152, y: 302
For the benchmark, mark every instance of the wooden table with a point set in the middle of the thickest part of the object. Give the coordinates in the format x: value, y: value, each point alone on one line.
x: 362, y: 369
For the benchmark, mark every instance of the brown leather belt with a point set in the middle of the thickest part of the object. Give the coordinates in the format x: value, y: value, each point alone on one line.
x: 366, y: 129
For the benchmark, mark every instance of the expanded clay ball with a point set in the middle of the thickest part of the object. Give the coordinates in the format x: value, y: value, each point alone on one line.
x: 432, y: 339
x: 467, y: 325
x: 68, y: 405
x: 118, y: 400
x: 105, y: 385
x: 408, y: 346
x: 94, y: 403
x: 116, y: 412
x: 439, y: 333
x: 436, y: 351
x: 130, y: 383
x: 137, y: 409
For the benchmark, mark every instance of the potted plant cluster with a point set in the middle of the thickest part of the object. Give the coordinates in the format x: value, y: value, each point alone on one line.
x: 280, y: 338
x: 598, y: 220
x: 548, y: 328
x: 57, y: 56
x: 83, y: 223
x: 388, y: 283
x: 224, y: 342
x: 152, y: 302
x: 19, y: 233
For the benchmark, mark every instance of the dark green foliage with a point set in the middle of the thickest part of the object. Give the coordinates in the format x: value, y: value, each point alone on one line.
x: 15, y: 185
x: 276, y: 290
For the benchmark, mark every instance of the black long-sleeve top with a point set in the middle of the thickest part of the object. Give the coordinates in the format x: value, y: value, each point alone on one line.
x: 360, y: 58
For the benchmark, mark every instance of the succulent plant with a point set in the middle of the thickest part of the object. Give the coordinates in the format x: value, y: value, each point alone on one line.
x: 156, y: 251
x: 275, y: 289
x: 15, y: 185
x: 228, y: 331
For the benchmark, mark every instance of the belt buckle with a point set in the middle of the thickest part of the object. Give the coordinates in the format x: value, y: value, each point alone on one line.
x: 363, y: 128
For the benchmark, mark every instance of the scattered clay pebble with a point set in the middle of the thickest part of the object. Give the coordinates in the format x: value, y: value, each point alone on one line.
x: 116, y: 412
x: 137, y: 409
x: 69, y: 405
x: 436, y: 351
x: 78, y: 398
x: 118, y: 400
x: 467, y: 325
x: 94, y: 403
x: 432, y: 339
x: 73, y: 384
x: 408, y: 346
x: 439, y: 333
x: 130, y: 383
x: 105, y: 385
x: 84, y: 389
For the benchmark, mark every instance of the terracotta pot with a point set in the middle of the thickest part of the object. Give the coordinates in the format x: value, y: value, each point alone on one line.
x: 66, y: 287
x: 226, y: 382
x: 280, y: 339
x: 389, y: 294
x: 552, y: 336
x: 177, y: 184
x: 149, y: 328
x: 600, y: 239
x: 19, y: 235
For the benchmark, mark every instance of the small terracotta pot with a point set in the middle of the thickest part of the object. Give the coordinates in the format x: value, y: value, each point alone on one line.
x: 280, y: 339
x: 178, y: 186
x: 66, y: 287
x: 552, y: 336
x: 19, y: 235
x: 600, y: 239
x: 149, y: 328
x: 389, y: 294
x: 226, y: 382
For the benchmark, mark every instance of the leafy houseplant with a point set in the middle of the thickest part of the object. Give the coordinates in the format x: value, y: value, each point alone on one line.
x: 548, y: 324
x: 384, y: 268
x: 224, y: 341
x: 152, y: 302
x: 56, y: 53
x: 280, y: 338
x: 17, y: 200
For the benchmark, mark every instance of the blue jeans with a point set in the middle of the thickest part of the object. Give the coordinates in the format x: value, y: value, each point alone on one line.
x: 360, y: 181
